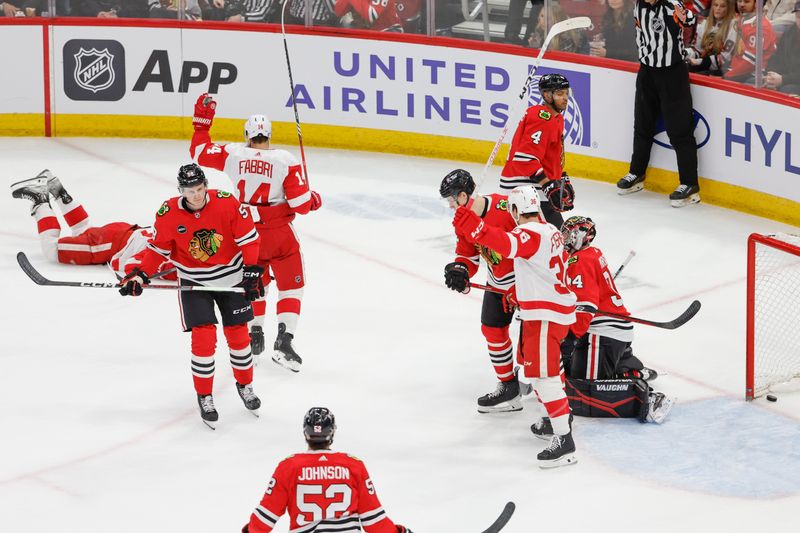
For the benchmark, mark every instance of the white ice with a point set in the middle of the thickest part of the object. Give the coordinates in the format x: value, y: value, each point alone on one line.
x: 100, y: 429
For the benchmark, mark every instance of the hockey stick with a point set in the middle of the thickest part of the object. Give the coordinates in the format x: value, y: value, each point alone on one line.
x: 39, y: 279
x: 631, y: 255
x: 487, y: 288
x: 294, y: 101
x: 684, y: 317
x: 557, y: 28
x: 503, y: 519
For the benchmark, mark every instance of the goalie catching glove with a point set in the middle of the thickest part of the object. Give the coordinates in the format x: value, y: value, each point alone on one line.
x: 133, y: 284
x: 560, y: 193
x: 204, y: 110
x: 252, y: 283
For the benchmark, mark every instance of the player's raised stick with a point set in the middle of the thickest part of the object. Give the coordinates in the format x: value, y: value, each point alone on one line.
x: 631, y: 255
x: 294, y: 101
x: 557, y: 28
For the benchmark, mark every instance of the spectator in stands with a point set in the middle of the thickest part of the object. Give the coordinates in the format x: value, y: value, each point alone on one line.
x: 168, y: 9
x: 368, y: 14
x: 13, y: 10
x: 784, y: 65
x: 516, y: 12
x: 780, y: 14
x: 410, y: 13
x: 744, y: 58
x: 321, y: 12
x: 716, y: 36
x: 35, y: 8
x: 110, y: 8
x: 569, y: 41
x: 617, y: 38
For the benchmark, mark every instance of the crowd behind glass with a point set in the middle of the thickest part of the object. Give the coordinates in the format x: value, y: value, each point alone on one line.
x: 725, y: 43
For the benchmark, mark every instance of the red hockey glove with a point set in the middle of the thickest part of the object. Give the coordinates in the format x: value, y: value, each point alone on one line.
x: 252, y: 283
x: 316, y: 200
x: 133, y: 284
x: 560, y: 193
x: 204, y: 110
x: 510, y: 302
x: 468, y: 223
x: 456, y: 277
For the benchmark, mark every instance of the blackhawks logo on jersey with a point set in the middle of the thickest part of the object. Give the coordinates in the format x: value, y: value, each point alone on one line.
x: 163, y: 209
x: 489, y: 255
x: 223, y: 194
x: 572, y: 259
x: 545, y: 115
x: 204, y: 244
x: 502, y: 205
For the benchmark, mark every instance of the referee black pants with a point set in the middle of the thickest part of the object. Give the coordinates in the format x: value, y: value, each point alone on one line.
x: 664, y: 91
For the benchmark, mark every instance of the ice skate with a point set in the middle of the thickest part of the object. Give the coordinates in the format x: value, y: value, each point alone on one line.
x: 256, y: 340
x: 629, y: 184
x: 55, y: 188
x: 251, y: 401
x: 33, y: 189
x: 524, y: 388
x: 685, y: 195
x: 505, y: 398
x: 560, y: 452
x: 284, y: 352
x: 543, y: 428
x: 660, y: 406
x: 208, y: 412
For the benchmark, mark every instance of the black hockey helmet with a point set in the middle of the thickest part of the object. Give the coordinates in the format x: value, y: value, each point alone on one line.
x: 553, y: 82
x: 455, y: 182
x: 191, y: 175
x: 319, y: 425
x: 578, y: 232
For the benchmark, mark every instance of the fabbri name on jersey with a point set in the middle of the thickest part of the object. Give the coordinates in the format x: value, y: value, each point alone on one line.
x: 255, y: 166
x: 313, y: 473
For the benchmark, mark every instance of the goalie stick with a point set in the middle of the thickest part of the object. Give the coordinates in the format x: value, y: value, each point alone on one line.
x: 557, y: 28
x: 682, y: 319
x: 503, y: 519
x: 39, y: 279
x: 294, y: 100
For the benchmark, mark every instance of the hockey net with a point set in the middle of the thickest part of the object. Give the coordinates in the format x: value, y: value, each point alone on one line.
x: 773, y: 312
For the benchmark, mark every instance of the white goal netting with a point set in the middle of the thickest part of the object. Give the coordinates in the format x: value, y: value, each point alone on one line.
x: 774, y: 290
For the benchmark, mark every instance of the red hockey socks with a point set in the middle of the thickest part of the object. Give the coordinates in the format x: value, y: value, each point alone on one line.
x: 551, y: 393
x: 500, y: 351
x: 288, y: 308
x: 238, y: 339
x: 204, y: 343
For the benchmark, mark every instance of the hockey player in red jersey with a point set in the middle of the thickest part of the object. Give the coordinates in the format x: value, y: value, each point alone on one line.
x: 377, y: 15
x: 457, y: 188
x: 120, y: 244
x: 536, y: 156
x: 546, y: 306
x: 211, y: 240
x: 322, y: 490
x: 271, y: 182
x: 598, y: 347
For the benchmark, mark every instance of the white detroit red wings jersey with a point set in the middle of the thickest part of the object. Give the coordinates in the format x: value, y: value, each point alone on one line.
x: 262, y: 177
x: 323, y: 491
x: 591, y: 281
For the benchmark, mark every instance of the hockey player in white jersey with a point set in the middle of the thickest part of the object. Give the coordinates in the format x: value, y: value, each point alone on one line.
x: 546, y: 306
x: 272, y: 184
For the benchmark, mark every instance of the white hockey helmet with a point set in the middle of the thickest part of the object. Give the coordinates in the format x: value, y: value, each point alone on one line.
x: 257, y: 125
x: 525, y: 199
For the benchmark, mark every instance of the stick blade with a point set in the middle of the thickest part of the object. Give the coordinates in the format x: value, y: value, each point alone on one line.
x: 575, y: 23
x: 503, y: 519
x: 687, y: 315
x: 29, y: 270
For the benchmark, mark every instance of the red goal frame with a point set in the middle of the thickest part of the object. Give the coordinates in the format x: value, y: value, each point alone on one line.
x: 752, y: 240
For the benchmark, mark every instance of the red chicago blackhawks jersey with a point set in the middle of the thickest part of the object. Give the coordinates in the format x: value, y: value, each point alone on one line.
x: 538, y: 252
x: 322, y: 491
x: 591, y: 281
x: 209, y: 246
x: 537, y: 146
x: 744, y: 59
x: 270, y: 179
x: 380, y: 15
x: 469, y: 252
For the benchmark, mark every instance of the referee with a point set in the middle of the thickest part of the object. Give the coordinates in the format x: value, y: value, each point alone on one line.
x: 662, y: 88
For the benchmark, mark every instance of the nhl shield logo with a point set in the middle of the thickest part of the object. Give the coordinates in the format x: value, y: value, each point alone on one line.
x: 94, y: 69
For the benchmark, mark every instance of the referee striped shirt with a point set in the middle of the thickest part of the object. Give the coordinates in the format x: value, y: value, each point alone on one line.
x: 659, y: 33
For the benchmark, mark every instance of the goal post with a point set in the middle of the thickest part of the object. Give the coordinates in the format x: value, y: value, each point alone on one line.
x: 773, y: 312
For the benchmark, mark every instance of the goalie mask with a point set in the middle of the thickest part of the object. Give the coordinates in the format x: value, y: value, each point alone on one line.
x: 319, y: 425
x: 578, y: 232
x: 524, y: 200
x: 257, y: 125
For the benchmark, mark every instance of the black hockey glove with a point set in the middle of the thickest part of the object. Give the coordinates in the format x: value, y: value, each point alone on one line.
x: 560, y: 193
x: 252, y: 283
x: 133, y: 284
x: 568, y: 345
x: 456, y: 277
x: 402, y: 529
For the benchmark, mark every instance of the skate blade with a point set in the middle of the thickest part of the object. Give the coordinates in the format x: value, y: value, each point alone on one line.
x: 693, y: 199
x: 564, y: 460
x: 254, y: 412
x: 294, y: 366
x: 38, y: 181
x: 505, y: 407
x: 635, y: 188
x: 212, y: 425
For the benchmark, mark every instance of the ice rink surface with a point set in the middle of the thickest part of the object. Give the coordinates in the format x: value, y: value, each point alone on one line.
x: 101, y: 431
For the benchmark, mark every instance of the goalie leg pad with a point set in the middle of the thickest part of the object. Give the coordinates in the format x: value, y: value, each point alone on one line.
x: 608, y: 398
